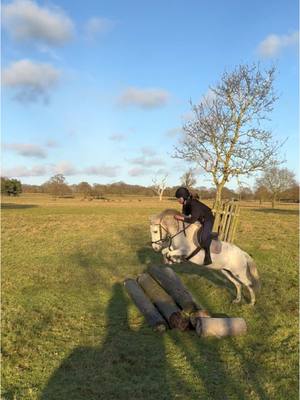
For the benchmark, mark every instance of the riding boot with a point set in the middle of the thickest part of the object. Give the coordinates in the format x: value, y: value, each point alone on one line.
x: 207, y: 258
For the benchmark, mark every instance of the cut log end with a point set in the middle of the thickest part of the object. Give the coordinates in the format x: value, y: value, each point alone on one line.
x: 179, y: 321
x: 198, y: 314
x: 220, y: 327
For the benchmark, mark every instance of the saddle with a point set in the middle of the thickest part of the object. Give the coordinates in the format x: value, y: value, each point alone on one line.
x: 215, y: 246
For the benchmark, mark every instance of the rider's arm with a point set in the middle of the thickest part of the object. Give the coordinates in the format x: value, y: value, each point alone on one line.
x: 195, y: 215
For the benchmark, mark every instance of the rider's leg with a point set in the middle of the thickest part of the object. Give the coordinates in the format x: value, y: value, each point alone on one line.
x: 206, y: 240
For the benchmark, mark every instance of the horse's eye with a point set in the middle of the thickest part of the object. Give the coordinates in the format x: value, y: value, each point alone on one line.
x: 154, y: 231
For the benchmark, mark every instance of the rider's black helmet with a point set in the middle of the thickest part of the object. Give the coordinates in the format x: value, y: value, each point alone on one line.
x: 182, y: 192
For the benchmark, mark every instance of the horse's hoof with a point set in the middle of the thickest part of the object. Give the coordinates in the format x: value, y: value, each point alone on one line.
x: 236, y: 301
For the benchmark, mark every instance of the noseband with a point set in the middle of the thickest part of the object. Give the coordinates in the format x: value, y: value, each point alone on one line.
x: 161, y: 239
x: 169, y: 237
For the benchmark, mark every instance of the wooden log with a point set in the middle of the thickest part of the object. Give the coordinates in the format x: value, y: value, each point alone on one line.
x: 143, y: 303
x: 171, y: 282
x: 163, y: 302
x: 195, y: 315
x: 220, y: 327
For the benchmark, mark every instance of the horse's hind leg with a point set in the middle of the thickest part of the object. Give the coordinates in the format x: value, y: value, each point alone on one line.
x: 236, y: 283
x: 243, y: 277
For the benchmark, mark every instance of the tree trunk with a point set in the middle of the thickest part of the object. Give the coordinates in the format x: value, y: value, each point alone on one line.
x: 273, y: 200
x: 160, y: 195
x: 218, y: 198
x: 145, y: 306
x: 168, y: 279
x: 163, y: 302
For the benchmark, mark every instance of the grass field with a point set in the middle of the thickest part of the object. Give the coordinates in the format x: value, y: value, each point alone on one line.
x: 69, y: 331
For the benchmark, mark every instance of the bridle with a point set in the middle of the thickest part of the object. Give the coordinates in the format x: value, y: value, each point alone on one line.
x: 168, y: 237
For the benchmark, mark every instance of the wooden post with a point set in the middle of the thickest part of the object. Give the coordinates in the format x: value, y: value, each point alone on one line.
x: 143, y: 303
x: 220, y: 327
x: 163, y: 302
x: 235, y: 221
x: 228, y: 222
x: 171, y: 282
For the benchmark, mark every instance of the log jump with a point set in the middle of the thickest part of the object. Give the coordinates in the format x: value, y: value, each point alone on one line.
x: 165, y: 302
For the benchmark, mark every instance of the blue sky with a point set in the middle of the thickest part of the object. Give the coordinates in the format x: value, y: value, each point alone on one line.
x: 99, y: 90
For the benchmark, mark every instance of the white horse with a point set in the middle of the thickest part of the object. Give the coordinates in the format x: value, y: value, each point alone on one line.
x: 178, y: 241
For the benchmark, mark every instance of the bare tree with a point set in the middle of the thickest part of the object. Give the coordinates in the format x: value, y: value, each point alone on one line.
x: 277, y: 180
x: 57, y: 186
x: 188, y: 179
x: 261, y: 193
x: 159, y: 185
x: 84, y: 188
x: 226, y: 138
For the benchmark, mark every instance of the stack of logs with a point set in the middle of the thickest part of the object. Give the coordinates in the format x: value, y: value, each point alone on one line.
x: 166, y: 303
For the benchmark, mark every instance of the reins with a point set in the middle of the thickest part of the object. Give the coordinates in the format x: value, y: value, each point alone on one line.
x: 169, y: 237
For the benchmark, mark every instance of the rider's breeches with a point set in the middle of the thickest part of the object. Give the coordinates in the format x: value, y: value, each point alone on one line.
x: 205, y: 234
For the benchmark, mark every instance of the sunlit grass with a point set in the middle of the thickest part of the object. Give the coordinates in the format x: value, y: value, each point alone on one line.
x: 69, y: 331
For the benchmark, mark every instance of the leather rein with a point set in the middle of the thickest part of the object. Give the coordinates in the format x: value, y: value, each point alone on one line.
x: 169, y: 237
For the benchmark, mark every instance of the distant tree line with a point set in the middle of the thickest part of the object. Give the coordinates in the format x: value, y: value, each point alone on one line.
x: 272, y: 186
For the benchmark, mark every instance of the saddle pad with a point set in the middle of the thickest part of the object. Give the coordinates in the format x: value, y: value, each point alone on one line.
x: 216, y: 246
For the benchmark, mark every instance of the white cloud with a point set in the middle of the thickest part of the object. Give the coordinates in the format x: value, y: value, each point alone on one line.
x: 26, y: 149
x: 52, y: 143
x: 139, y: 171
x: 23, y: 171
x: 148, y: 151
x: 117, y: 137
x: 65, y: 168
x: 147, y: 162
x: 25, y: 20
x: 32, y: 81
x: 174, y: 132
x: 102, y: 170
x: 144, y: 98
x: 273, y: 44
x: 96, y: 26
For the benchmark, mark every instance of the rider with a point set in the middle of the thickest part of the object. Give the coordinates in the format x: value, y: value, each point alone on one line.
x: 193, y: 211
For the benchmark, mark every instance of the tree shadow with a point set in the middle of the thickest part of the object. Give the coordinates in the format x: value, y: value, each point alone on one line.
x: 17, y: 206
x: 276, y: 211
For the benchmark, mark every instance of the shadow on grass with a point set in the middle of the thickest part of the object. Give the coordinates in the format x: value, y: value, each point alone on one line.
x: 132, y: 364
x: 147, y: 256
x: 128, y: 365
x: 14, y: 206
x: 276, y: 211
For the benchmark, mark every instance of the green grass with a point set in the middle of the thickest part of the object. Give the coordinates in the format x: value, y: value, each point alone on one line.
x: 69, y: 331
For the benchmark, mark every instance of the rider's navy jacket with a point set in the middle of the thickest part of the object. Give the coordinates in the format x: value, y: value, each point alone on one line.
x: 194, y: 211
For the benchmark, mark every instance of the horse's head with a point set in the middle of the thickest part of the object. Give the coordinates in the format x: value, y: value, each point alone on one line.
x: 160, y: 229
x: 159, y: 235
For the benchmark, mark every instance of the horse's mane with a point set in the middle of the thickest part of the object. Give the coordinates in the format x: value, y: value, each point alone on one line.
x: 169, y: 212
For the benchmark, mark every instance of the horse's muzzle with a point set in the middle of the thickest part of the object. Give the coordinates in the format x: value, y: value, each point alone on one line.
x: 156, y: 247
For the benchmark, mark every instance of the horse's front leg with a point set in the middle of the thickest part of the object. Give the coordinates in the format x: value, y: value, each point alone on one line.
x: 173, y: 255
x: 166, y: 258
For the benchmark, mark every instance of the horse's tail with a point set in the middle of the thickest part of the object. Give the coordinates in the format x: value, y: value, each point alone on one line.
x: 253, y: 273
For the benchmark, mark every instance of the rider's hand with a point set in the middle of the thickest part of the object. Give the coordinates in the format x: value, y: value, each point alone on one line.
x: 179, y: 217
